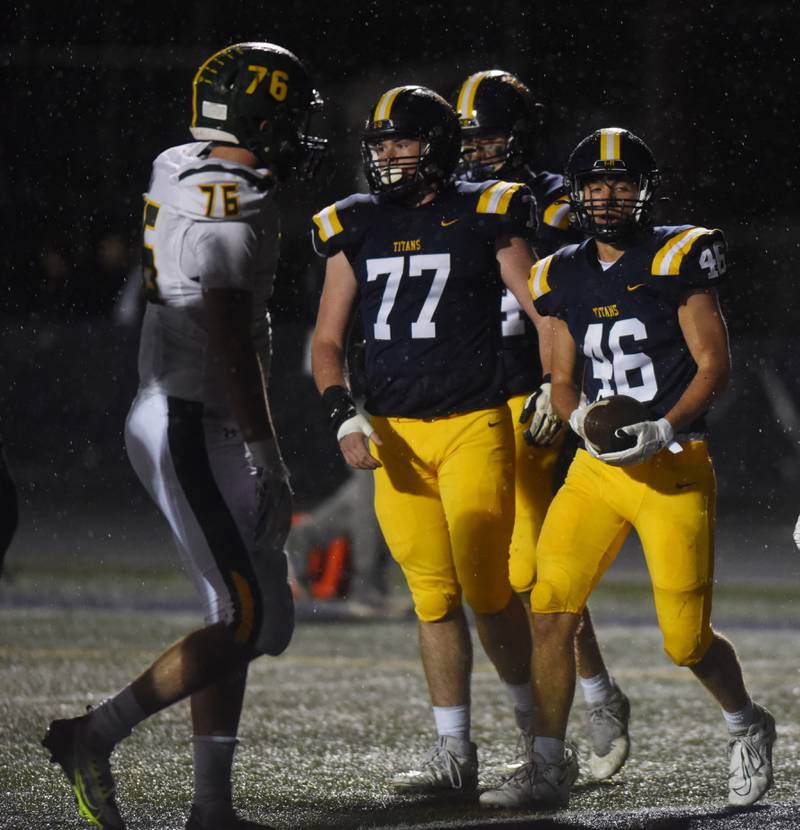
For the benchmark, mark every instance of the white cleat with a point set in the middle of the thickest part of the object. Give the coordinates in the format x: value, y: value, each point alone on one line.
x: 608, y: 727
x: 750, y: 760
x: 536, y: 785
x: 452, y: 765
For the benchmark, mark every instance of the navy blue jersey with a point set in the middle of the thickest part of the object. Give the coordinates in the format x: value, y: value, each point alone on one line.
x: 625, y: 320
x: 429, y: 293
x: 523, y: 371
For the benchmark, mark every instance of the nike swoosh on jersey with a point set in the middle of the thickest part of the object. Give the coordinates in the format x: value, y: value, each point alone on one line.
x: 447, y: 222
x: 634, y: 287
x: 495, y: 423
x: 682, y: 485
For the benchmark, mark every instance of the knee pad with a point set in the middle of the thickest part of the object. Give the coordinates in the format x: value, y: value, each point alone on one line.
x: 433, y: 606
x: 687, y: 647
x: 277, y: 608
x: 491, y: 601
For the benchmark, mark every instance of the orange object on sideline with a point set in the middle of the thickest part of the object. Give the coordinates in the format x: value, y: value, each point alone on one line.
x: 335, y: 577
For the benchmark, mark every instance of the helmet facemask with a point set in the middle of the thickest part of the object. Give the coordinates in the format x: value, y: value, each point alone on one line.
x: 286, y: 145
x: 610, y: 218
x: 399, y: 178
x: 406, y: 175
x: 474, y: 166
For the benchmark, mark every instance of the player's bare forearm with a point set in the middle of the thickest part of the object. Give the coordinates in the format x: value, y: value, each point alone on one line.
x: 328, y: 344
x: 516, y: 258
x: 327, y: 363
x: 564, y: 389
x: 706, y: 336
x: 229, y: 315
x: 544, y: 333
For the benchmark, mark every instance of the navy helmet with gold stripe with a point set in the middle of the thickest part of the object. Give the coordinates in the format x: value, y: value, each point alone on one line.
x: 419, y: 114
x: 496, y: 103
x: 612, y: 153
x: 259, y: 96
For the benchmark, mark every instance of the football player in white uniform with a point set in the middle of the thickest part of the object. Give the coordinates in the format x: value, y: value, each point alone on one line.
x: 199, y: 433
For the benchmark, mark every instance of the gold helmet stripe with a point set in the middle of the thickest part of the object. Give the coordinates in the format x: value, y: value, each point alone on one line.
x: 667, y: 262
x: 384, y: 107
x: 537, y: 282
x: 609, y: 144
x: 495, y: 199
x: 199, y: 78
x: 327, y: 222
x: 466, y: 97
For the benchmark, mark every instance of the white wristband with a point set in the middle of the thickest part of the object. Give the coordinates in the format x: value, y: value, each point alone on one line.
x: 358, y: 423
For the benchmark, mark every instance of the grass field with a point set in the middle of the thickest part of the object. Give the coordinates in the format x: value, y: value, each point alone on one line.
x: 326, y: 724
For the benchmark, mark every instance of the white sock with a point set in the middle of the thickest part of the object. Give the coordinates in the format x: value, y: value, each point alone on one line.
x: 522, y: 698
x: 737, y: 721
x: 212, y: 758
x: 598, y: 689
x: 551, y: 749
x: 115, y: 718
x: 452, y: 720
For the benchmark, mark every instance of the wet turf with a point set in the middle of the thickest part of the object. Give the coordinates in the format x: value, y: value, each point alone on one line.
x: 326, y: 724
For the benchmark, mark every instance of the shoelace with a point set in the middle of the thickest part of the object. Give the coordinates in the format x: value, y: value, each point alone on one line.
x: 605, y: 712
x: 523, y: 775
x: 748, y: 758
x: 442, y: 757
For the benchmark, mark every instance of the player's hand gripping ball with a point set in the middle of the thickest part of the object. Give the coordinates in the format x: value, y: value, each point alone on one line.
x: 604, y: 418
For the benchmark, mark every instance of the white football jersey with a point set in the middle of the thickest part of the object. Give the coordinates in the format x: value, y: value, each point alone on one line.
x: 209, y: 223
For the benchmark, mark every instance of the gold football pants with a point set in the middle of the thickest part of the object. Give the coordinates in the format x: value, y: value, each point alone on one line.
x: 445, y: 502
x: 533, y: 492
x: 669, y: 500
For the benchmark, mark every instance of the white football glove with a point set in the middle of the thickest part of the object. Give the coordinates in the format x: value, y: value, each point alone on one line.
x: 545, y: 424
x: 797, y: 533
x: 358, y: 423
x: 576, y: 419
x: 651, y: 437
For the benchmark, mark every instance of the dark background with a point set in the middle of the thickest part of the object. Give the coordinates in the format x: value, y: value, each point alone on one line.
x: 92, y: 92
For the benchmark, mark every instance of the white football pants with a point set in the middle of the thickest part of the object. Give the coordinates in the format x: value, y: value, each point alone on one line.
x: 229, y: 522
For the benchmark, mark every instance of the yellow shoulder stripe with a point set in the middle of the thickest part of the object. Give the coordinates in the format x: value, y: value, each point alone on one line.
x: 668, y: 259
x: 557, y: 214
x: 537, y: 282
x: 495, y: 199
x: 327, y: 222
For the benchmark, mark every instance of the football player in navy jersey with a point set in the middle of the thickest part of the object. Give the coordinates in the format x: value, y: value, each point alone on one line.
x: 499, y: 124
x: 199, y: 433
x: 636, y: 312
x: 423, y: 259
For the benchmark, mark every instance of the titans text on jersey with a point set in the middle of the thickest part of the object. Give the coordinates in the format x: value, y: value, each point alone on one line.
x: 429, y: 293
x: 625, y: 319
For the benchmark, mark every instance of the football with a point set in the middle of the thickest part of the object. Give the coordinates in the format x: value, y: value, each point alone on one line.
x: 604, y: 417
